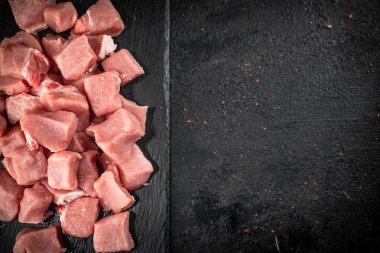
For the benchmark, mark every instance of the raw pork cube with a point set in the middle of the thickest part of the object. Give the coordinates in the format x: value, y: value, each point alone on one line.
x: 67, y: 98
x: 60, y: 17
x: 12, y: 139
x: 39, y: 240
x: 103, y: 92
x: 61, y: 197
x: 29, y: 14
x: 75, y: 58
x: 10, y: 196
x: 108, y: 164
x: 78, y: 217
x: 124, y: 63
x: 138, y: 111
x: 111, y: 234
x: 17, y: 104
x: 100, y: 18
x: 3, y: 125
x: 51, y: 81
x: 111, y: 195
x: 62, y: 170
x: 102, y: 45
x: 88, y: 172
x: 53, y: 130
x: 23, y: 38
x: 79, y: 83
x: 116, y: 135
x: 10, y: 85
x: 29, y: 166
x: 34, y: 204
x: 52, y: 44
x: 135, y: 171
x: 81, y: 142
x: 24, y: 63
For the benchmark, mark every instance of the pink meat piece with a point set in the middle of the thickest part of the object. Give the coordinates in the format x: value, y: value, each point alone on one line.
x: 103, y: 92
x: 25, y: 39
x: 52, y: 44
x: 11, y: 86
x: 100, y: 18
x: 88, y: 172
x: 138, y: 111
x: 67, y: 98
x: 17, y: 104
x: 125, y: 64
x: 102, y: 45
x: 29, y: 166
x: 75, y: 58
x: 10, y: 196
x: 2, y: 103
x: 78, y: 217
x: 81, y: 142
x: 111, y: 234
x: 24, y: 63
x: 116, y: 135
x: 108, y: 164
x: 135, y: 171
x: 60, y: 17
x: 34, y: 204
x: 50, y: 82
x: 53, y: 130
x: 79, y: 83
x: 7, y: 162
x: 3, y: 125
x: 61, y: 197
x: 39, y: 240
x: 12, y: 139
x: 111, y: 195
x: 29, y: 14
x: 62, y: 170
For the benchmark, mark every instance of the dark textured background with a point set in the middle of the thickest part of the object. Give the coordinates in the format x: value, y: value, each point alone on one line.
x: 275, y: 126
x: 145, y: 38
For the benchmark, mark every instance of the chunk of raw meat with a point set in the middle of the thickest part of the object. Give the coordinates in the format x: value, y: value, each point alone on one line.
x: 88, y: 172
x: 124, y: 63
x: 34, y: 204
x: 138, y: 111
x: 60, y: 17
x: 78, y: 217
x: 61, y: 197
x: 51, y: 81
x: 62, y: 170
x: 12, y: 139
x: 75, y: 58
x: 103, y: 92
x: 17, y: 104
x: 67, y: 98
x: 52, y: 44
x: 102, y: 45
x: 108, y: 164
x: 10, y: 196
x: 39, y: 240
x: 111, y: 234
x: 23, y: 38
x: 7, y: 162
x: 29, y: 166
x: 81, y: 142
x: 135, y: 171
x: 116, y: 135
x: 79, y: 83
x: 100, y: 18
x: 3, y: 125
x: 29, y: 14
x: 24, y: 63
x: 111, y: 195
x: 10, y: 85
x: 53, y: 130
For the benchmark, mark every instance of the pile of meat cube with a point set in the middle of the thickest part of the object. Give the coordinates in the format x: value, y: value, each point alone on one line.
x: 60, y: 117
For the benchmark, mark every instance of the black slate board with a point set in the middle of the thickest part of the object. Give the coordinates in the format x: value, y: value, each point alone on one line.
x: 275, y: 130
x: 146, y: 25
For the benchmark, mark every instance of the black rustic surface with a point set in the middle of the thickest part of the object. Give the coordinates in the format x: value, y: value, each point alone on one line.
x: 145, y: 38
x: 275, y: 126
